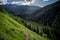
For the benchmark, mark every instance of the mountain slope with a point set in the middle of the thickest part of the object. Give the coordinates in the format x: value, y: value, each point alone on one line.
x: 20, y: 10
x: 50, y: 16
x: 12, y: 30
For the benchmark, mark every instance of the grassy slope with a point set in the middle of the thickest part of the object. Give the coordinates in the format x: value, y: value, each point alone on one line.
x: 36, y: 27
x: 12, y: 30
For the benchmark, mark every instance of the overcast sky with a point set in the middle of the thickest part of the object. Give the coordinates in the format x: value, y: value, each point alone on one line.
x: 32, y: 2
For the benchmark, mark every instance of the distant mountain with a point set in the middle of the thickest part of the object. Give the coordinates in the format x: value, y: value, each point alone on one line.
x: 20, y: 10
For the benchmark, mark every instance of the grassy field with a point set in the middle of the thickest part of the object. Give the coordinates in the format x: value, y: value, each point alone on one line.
x: 12, y: 30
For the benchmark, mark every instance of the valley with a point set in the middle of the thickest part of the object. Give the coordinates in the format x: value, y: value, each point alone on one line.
x: 23, y: 22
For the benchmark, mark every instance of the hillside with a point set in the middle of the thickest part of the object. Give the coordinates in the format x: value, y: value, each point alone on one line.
x: 50, y: 17
x: 44, y: 22
x: 48, y: 14
x: 12, y: 30
x: 47, y: 19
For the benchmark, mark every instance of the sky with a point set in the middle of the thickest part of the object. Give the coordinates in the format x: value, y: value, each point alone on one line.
x: 32, y: 2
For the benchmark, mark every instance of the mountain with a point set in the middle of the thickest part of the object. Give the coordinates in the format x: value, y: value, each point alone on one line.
x: 12, y: 30
x: 43, y: 21
x: 20, y: 10
x: 50, y: 16
x: 47, y: 14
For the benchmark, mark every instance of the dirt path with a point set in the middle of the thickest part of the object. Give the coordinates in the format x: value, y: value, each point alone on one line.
x: 27, y: 36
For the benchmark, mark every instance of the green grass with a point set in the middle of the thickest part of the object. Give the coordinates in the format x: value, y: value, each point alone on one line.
x: 12, y: 30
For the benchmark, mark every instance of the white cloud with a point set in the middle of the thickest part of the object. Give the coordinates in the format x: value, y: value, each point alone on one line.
x: 16, y: 2
x: 20, y: 3
x: 32, y: 1
x: 45, y: 0
x: 3, y: 1
x: 41, y: 6
x: 23, y: 3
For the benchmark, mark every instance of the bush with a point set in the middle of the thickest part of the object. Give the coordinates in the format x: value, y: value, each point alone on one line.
x: 44, y: 35
x: 1, y: 38
x: 12, y: 29
x: 7, y: 31
x: 34, y: 39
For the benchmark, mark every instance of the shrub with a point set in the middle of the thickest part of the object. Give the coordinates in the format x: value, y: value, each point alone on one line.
x: 7, y: 31
x: 12, y: 29
x: 1, y: 38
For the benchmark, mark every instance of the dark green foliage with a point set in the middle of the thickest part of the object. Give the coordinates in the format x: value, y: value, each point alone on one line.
x: 21, y: 32
x: 25, y: 24
x: 12, y: 29
x: 40, y: 33
x: 34, y: 39
x: 56, y: 26
x: 1, y: 38
x: 7, y: 31
x: 1, y: 9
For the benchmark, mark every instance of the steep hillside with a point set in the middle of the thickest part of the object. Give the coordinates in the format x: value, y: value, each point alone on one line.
x: 47, y: 22
x: 12, y: 30
x: 50, y: 16
x: 38, y: 28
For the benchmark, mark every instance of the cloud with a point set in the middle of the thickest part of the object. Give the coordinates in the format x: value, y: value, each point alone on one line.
x: 20, y: 3
x: 41, y: 6
x: 30, y: 1
x: 45, y: 0
x: 14, y: 2
x: 3, y: 1
x: 26, y: 2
